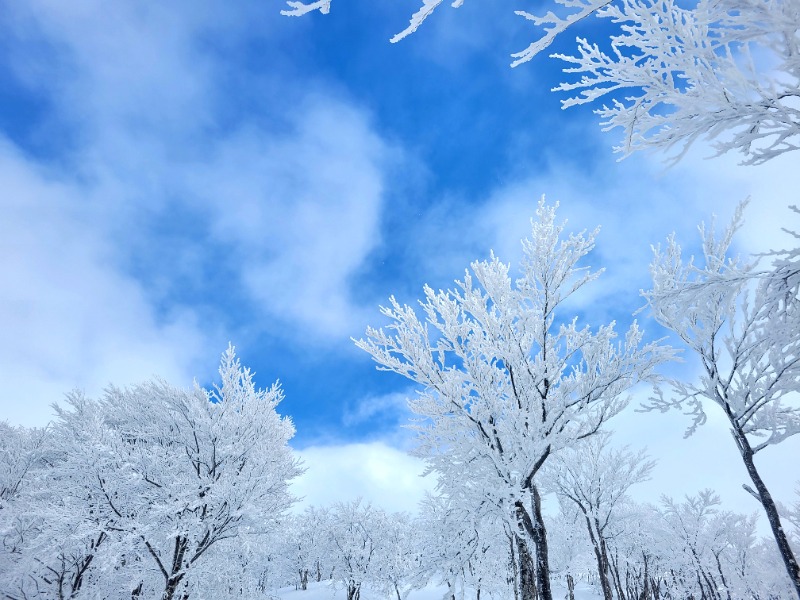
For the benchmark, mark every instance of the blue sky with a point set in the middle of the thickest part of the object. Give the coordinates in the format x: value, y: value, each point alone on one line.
x: 180, y: 175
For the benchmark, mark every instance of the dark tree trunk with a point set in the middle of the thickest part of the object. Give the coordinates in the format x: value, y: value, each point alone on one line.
x: 646, y: 580
x: 173, y: 580
x: 601, y: 555
x: 533, y: 526
x: 353, y: 590
x: 137, y: 591
x: 570, y: 587
x: 527, y: 571
x: 514, y: 570
x: 540, y: 539
x: 172, y: 587
x: 789, y: 559
x: 616, y: 578
x: 655, y: 588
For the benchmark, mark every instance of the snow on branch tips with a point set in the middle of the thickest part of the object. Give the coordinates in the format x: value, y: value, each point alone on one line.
x: 509, y: 382
x: 723, y: 70
x: 742, y: 324
x: 298, y: 9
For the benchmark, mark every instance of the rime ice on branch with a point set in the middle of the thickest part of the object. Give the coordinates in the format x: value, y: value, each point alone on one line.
x: 743, y: 325
x: 723, y: 70
x: 507, y: 383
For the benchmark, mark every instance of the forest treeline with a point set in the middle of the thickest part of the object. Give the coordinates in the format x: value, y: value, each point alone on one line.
x: 157, y: 491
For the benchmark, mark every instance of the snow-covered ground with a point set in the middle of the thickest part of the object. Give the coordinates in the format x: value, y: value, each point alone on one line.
x: 328, y: 591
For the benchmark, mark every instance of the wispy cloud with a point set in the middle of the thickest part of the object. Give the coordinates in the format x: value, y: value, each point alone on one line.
x: 149, y: 198
x: 377, y: 472
x: 69, y: 318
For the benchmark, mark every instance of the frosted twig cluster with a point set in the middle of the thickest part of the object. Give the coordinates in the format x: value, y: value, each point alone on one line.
x: 723, y: 70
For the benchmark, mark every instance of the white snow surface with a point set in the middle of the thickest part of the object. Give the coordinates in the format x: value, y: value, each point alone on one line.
x: 327, y: 590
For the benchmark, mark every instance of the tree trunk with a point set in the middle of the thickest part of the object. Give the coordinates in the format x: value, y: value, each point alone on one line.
x: 177, y: 574
x: 171, y: 587
x: 512, y: 542
x: 646, y: 583
x: 789, y: 559
x: 137, y: 591
x: 540, y: 540
x: 615, y: 577
x: 353, y: 590
x: 571, y: 587
x: 303, y: 579
x: 527, y: 571
x: 533, y: 526
x: 599, y: 546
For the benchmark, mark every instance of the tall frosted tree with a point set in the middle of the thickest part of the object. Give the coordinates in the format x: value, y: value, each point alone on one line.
x: 742, y: 325
x: 507, y: 382
x: 595, y: 478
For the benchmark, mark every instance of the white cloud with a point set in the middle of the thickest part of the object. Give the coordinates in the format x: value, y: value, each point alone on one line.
x: 132, y: 90
x: 302, y: 211
x: 68, y: 317
x: 378, y: 473
x: 140, y: 87
x: 363, y: 410
x: 636, y: 203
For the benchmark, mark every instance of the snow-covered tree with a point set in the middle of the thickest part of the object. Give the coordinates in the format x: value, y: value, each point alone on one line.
x: 508, y: 383
x: 147, y: 481
x: 727, y: 70
x: 354, y: 531
x: 571, y: 555
x: 743, y: 326
x: 635, y: 552
x: 714, y: 554
x: 305, y: 548
x: 41, y: 555
x: 595, y: 478
x: 396, y: 563
x: 464, y: 552
x: 21, y: 450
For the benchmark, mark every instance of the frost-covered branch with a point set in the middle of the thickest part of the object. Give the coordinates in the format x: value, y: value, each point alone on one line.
x: 298, y: 8
x: 723, y: 70
x: 742, y: 325
x: 506, y: 384
x: 728, y: 71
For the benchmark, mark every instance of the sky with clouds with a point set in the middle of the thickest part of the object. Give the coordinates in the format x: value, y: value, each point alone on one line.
x: 179, y: 175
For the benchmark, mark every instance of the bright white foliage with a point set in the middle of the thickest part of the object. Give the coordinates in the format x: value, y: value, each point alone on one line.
x: 595, y: 478
x: 714, y: 553
x: 147, y: 481
x: 745, y: 336
x: 726, y: 70
x: 506, y: 383
x: 298, y: 9
x: 743, y: 326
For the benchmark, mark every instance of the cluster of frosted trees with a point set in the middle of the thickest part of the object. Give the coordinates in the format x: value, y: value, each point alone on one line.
x: 148, y: 492
x: 674, y: 550
x: 511, y: 384
x: 155, y: 491
x: 517, y: 395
